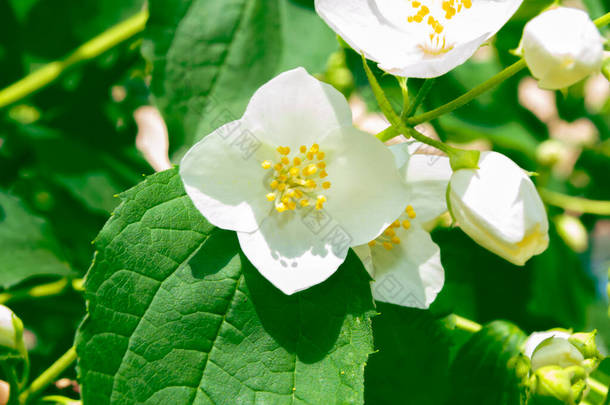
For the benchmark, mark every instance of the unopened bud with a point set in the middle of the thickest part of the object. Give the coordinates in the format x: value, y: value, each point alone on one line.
x: 11, y: 329
x: 585, y: 343
x: 573, y: 232
x: 556, y: 352
x: 552, y: 381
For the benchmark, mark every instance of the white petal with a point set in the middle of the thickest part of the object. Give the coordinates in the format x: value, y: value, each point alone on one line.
x: 498, y: 206
x: 367, y: 193
x: 294, y: 252
x: 411, y: 273
x: 223, y: 177
x: 538, y: 337
x: 426, y: 177
x: 296, y: 109
x: 381, y: 30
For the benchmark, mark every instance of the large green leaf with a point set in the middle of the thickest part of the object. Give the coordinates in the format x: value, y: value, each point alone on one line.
x: 177, y: 315
x: 412, y: 358
x: 210, y: 56
x: 484, y: 370
x: 28, y: 247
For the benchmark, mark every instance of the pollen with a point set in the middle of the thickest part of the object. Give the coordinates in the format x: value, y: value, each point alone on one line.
x: 310, y: 170
x: 294, y: 186
x: 410, y: 211
x: 393, y: 234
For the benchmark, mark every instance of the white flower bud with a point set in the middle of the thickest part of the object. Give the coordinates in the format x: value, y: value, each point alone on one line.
x: 11, y: 328
x: 498, y: 206
x: 561, y: 47
x: 556, y: 352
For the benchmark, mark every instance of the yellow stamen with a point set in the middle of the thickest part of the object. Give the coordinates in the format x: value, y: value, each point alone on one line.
x: 280, y: 207
x: 406, y: 224
x: 285, y: 160
x: 309, y: 155
x: 310, y: 184
x: 321, y: 155
x: 372, y: 243
x: 303, y: 149
x: 323, y: 174
x: 294, y: 171
x: 304, y: 203
x: 322, y: 165
x: 274, y: 184
x: 266, y: 164
x: 396, y: 224
x: 310, y: 170
x: 271, y: 196
x: 296, y: 161
x: 281, y: 186
x: 326, y: 185
x: 389, y: 232
x: 388, y: 246
x: 278, y: 166
x: 396, y: 240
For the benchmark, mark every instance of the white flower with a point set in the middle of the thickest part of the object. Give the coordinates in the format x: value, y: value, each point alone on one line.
x: 296, y: 180
x: 404, y: 261
x: 11, y: 328
x: 416, y: 38
x: 498, y: 206
x: 561, y: 47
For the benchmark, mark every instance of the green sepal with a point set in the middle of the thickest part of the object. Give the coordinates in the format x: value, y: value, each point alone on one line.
x: 463, y: 159
x: 382, y: 100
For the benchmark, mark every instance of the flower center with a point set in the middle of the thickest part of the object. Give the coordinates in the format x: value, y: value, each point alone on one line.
x: 297, y: 179
x: 390, y: 237
x: 437, y: 44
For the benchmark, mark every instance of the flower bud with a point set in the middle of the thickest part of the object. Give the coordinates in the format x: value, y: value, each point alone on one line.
x: 553, y: 381
x: 573, y: 232
x: 556, y: 352
x: 11, y: 329
x: 498, y: 206
x: 585, y: 343
x: 561, y: 47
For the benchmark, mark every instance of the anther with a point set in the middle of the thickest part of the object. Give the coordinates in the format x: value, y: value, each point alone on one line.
x: 396, y: 240
x: 372, y: 243
x: 310, y: 170
x: 406, y: 224
x: 271, y: 196
x: 278, y: 167
x: 388, y: 246
x: 285, y: 160
x: 326, y: 185
x: 266, y: 164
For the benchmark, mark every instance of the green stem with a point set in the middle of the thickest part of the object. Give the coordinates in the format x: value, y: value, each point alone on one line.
x: 466, y: 324
x: 89, y: 50
x: 469, y: 96
x: 421, y: 95
x: 577, y: 204
x: 597, y: 386
x: 43, y: 290
x: 602, y: 21
x: 48, y: 376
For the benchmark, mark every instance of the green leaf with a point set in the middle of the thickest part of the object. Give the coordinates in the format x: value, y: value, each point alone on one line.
x: 178, y: 315
x: 483, y: 371
x: 28, y: 247
x: 209, y: 57
x: 412, y: 358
